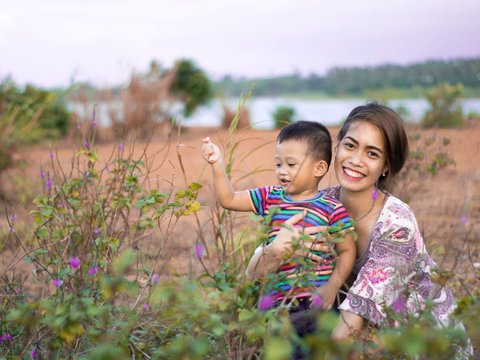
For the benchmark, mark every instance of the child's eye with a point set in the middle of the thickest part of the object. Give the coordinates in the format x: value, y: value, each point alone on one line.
x: 292, y: 164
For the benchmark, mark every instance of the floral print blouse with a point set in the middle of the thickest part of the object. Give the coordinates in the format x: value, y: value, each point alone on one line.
x: 396, y: 270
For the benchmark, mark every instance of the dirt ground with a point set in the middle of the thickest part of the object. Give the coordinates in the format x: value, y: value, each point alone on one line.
x: 447, y: 205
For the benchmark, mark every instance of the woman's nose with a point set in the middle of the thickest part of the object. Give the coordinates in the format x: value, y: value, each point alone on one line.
x: 357, y: 159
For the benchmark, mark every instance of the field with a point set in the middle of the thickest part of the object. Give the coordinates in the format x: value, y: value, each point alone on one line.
x: 445, y: 197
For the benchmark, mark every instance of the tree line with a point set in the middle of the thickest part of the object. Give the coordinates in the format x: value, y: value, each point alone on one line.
x: 356, y: 80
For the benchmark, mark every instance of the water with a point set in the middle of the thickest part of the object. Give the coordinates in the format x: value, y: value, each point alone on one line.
x: 326, y: 111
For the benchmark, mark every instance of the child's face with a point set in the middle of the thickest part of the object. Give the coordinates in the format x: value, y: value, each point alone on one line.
x: 296, y: 170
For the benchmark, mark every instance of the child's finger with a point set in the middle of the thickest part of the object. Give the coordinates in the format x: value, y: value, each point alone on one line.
x: 294, y: 219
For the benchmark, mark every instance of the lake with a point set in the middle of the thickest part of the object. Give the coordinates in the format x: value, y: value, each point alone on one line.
x: 326, y: 111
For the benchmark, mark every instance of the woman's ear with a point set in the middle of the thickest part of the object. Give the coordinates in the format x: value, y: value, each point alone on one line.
x: 385, y: 170
x: 321, y: 168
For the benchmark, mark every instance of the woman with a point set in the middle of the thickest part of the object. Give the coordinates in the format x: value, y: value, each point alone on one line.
x: 392, y: 266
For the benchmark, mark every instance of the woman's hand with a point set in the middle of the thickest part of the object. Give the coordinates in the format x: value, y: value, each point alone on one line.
x: 270, y: 257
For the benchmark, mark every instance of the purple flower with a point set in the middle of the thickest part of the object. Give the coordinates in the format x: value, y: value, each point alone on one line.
x: 48, y: 184
x: 155, y: 278
x: 374, y: 195
x: 74, y: 262
x: 265, y: 302
x: 57, y: 282
x: 51, y: 152
x: 14, y: 218
x: 146, y: 307
x: 400, y: 305
x: 98, y: 230
x: 120, y: 147
x: 316, y: 301
x: 34, y: 353
x: 94, y: 120
x: 6, y: 337
x: 42, y: 175
x: 463, y: 219
x: 11, y: 230
x: 92, y: 271
x: 86, y: 144
x: 199, y: 250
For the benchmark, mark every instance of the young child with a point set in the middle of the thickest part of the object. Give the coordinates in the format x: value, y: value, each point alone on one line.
x: 302, y: 156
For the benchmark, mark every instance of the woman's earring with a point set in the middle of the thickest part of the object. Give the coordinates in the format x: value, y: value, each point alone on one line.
x: 383, y: 175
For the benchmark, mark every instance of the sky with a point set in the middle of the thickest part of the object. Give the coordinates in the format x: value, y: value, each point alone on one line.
x: 53, y: 43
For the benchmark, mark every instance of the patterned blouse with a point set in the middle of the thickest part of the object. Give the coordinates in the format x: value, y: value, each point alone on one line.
x: 395, y: 270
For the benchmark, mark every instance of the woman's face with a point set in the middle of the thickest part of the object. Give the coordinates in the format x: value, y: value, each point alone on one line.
x: 360, y: 157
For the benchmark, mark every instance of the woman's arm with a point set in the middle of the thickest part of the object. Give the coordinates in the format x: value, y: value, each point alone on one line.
x: 269, y: 257
x: 343, y: 267
x: 348, y: 324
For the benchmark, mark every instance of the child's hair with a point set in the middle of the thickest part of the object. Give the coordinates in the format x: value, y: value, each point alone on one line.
x: 317, y: 135
x: 394, y: 135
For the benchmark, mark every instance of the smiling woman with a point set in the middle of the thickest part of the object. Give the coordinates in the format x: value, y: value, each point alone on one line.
x: 393, y: 269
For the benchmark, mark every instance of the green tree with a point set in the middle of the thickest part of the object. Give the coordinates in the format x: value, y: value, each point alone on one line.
x: 446, y: 110
x: 191, y: 85
x: 283, y: 115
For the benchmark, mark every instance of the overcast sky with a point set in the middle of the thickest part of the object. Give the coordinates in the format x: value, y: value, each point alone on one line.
x: 49, y: 43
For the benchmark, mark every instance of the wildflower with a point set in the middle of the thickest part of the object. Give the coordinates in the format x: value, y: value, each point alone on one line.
x: 57, y: 282
x: 120, y: 147
x: 463, y: 219
x: 11, y: 230
x: 74, y: 262
x: 92, y: 271
x: 400, y: 305
x: 199, y: 250
x: 86, y: 144
x: 98, y: 230
x: 155, y: 278
x: 316, y: 301
x: 265, y: 302
x: 42, y: 175
x: 94, y: 120
x: 34, y: 353
x: 48, y: 184
x: 6, y: 337
x: 146, y: 307
x: 51, y: 152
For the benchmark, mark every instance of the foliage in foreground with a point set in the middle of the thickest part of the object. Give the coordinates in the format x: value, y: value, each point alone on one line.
x: 97, y: 252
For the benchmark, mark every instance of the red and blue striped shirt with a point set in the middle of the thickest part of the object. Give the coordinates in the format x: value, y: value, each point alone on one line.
x: 271, y: 202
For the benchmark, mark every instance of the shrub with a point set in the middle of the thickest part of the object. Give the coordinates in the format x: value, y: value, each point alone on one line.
x: 282, y: 116
x: 446, y: 110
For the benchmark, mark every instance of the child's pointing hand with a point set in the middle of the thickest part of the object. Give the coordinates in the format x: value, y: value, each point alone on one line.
x: 210, y: 152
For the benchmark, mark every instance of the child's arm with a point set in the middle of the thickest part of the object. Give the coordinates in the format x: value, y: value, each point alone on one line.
x: 226, y: 196
x: 345, y: 260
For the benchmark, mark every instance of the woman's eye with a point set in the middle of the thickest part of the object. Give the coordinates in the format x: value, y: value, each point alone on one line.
x: 373, y: 154
x: 348, y: 145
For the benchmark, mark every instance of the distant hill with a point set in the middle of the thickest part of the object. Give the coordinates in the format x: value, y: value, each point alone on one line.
x: 358, y: 80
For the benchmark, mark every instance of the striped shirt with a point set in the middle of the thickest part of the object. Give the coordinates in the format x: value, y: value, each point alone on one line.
x: 275, y: 206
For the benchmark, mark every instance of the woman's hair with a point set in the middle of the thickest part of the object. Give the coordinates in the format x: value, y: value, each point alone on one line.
x: 393, y: 130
